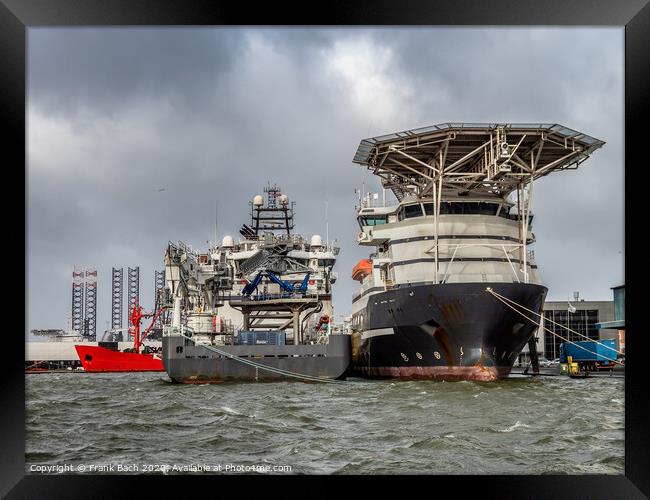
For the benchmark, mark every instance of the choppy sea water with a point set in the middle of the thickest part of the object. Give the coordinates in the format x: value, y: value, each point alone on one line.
x: 138, y: 422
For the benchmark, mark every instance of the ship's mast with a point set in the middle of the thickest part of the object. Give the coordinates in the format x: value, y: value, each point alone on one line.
x: 276, y: 215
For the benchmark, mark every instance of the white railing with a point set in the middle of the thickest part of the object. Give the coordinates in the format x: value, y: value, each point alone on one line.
x: 376, y: 200
x: 171, y: 331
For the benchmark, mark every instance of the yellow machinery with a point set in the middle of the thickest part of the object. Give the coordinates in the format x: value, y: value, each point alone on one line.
x: 574, y: 369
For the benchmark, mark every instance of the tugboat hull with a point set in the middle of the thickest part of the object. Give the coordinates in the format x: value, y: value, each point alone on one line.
x: 189, y: 363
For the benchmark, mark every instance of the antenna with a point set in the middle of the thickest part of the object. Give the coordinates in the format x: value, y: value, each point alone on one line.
x: 216, y: 218
x: 327, y: 219
x: 327, y: 223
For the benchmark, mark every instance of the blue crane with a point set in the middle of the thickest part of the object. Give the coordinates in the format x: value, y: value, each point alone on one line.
x: 251, y: 286
x: 305, y: 282
x: 286, y: 286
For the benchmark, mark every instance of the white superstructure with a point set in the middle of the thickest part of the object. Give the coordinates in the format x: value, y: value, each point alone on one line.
x: 218, y: 288
x: 463, y: 211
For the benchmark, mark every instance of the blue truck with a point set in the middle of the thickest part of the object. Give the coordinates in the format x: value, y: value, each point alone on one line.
x: 590, y: 355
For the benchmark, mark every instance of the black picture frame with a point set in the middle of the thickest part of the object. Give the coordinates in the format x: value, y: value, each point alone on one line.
x: 16, y: 16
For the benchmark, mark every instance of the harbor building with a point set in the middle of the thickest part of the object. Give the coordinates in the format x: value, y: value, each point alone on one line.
x: 618, y: 325
x: 590, y: 318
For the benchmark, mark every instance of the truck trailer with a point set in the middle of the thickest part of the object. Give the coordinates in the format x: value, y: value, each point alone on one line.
x: 590, y: 355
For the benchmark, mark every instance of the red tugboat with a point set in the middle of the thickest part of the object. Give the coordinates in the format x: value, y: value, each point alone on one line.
x: 101, y: 359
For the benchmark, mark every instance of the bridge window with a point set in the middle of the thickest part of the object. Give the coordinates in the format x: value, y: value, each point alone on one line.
x: 410, y: 211
x: 504, y: 213
x: 487, y: 208
x: 464, y: 208
x: 473, y: 208
x: 374, y: 220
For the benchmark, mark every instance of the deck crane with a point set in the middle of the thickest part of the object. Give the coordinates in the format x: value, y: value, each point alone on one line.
x: 286, y: 286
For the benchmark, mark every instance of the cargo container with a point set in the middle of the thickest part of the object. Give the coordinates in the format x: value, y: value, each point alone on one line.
x: 590, y: 355
x: 264, y: 337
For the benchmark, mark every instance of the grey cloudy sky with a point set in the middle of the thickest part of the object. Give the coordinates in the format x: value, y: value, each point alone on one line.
x: 115, y: 114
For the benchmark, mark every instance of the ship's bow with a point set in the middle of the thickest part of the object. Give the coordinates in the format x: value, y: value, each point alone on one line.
x: 455, y: 331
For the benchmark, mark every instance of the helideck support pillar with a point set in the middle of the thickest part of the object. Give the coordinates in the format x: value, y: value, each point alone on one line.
x: 296, y: 326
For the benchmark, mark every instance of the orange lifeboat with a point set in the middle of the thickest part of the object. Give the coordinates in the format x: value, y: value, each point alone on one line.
x: 362, y: 269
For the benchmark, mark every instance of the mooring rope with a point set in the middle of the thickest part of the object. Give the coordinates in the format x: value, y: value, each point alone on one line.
x: 554, y: 322
x: 261, y: 366
x: 36, y: 364
x: 498, y: 297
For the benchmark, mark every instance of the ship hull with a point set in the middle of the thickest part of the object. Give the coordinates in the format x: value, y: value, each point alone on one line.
x: 99, y: 359
x: 188, y: 363
x: 454, y: 331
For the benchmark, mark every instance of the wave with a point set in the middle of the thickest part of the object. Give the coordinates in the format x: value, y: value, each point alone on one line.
x: 514, y: 426
x: 228, y: 409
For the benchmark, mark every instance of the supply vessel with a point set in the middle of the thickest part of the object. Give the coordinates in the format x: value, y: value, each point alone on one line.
x: 451, y: 251
x: 259, y: 309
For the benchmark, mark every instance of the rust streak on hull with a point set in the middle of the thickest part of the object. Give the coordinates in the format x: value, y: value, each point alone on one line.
x: 450, y: 373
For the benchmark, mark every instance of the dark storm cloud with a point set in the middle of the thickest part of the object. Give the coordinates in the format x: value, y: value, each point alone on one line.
x: 116, y: 115
x: 572, y: 77
x: 517, y: 74
x: 109, y: 69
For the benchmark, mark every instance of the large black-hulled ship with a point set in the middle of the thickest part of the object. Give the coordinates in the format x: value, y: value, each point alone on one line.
x: 459, y: 227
